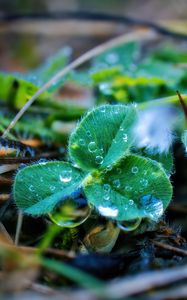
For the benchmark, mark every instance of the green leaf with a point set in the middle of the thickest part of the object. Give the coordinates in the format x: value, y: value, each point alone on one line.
x: 123, y: 55
x: 76, y: 275
x: 105, y: 75
x: 50, y: 67
x: 137, y: 187
x: 166, y: 160
x: 15, y: 90
x: 39, y: 188
x: 103, y: 137
x: 164, y: 71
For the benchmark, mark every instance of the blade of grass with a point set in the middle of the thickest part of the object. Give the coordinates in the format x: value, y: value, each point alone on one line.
x: 49, y: 236
x: 82, y: 278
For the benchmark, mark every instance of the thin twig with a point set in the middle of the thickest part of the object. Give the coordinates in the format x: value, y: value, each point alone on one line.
x: 176, y: 293
x: 8, y: 168
x: 170, y: 248
x: 183, y: 104
x: 50, y: 251
x: 43, y: 289
x: 135, y: 35
x: 142, y: 282
x: 5, y: 180
x: 18, y: 227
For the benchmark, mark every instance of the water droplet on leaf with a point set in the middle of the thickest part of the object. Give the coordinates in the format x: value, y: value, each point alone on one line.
x: 129, y: 225
x: 108, y: 211
x: 66, y: 176
x: 134, y: 170
x: 128, y: 188
x: 31, y: 188
x: 81, y: 142
x: 99, y: 159
x: 112, y: 58
x: 144, y: 182
x: 116, y: 183
x: 125, y: 137
x: 88, y: 133
x: 131, y: 202
x: 92, y: 147
x: 71, y: 213
x: 153, y: 207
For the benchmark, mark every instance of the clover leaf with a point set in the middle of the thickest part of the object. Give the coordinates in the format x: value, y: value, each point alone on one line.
x: 38, y: 188
x: 120, y: 184
x: 120, y: 192
x: 103, y: 137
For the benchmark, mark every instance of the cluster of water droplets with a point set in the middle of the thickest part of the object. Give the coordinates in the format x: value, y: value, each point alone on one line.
x: 93, y: 148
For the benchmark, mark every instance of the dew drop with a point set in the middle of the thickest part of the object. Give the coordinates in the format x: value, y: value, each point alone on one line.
x: 92, y: 147
x: 125, y: 207
x: 131, y: 202
x: 129, y: 225
x: 66, y: 176
x: 106, y: 187
x: 103, y: 108
x: 134, y: 170
x: 119, y: 171
x: 52, y: 188
x: 88, y: 133
x: 108, y: 211
x: 71, y: 213
x: 125, y: 137
x: 81, y: 142
x: 99, y: 159
x: 144, y: 182
x: 31, y: 188
x: 116, y: 183
x: 106, y: 197
x: 42, y: 161
x: 109, y: 168
x: 116, y: 111
x: 112, y: 58
x: 128, y: 188
x: 153, y: 207
x: 101, y: 150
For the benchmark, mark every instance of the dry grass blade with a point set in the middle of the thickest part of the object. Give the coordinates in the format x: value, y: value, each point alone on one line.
x: 8, y: 167
x: 142, y: 282
x: 170, y: 248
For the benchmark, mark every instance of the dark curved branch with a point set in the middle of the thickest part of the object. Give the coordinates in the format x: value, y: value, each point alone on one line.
x: 90, y: 16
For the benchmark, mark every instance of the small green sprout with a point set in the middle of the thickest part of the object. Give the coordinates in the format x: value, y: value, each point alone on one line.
x: 118, y: 182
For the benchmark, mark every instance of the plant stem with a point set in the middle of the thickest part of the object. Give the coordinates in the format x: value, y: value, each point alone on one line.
x: 161, y: 101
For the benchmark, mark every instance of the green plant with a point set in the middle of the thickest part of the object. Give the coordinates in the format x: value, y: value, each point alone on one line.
x: 117, y: 181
